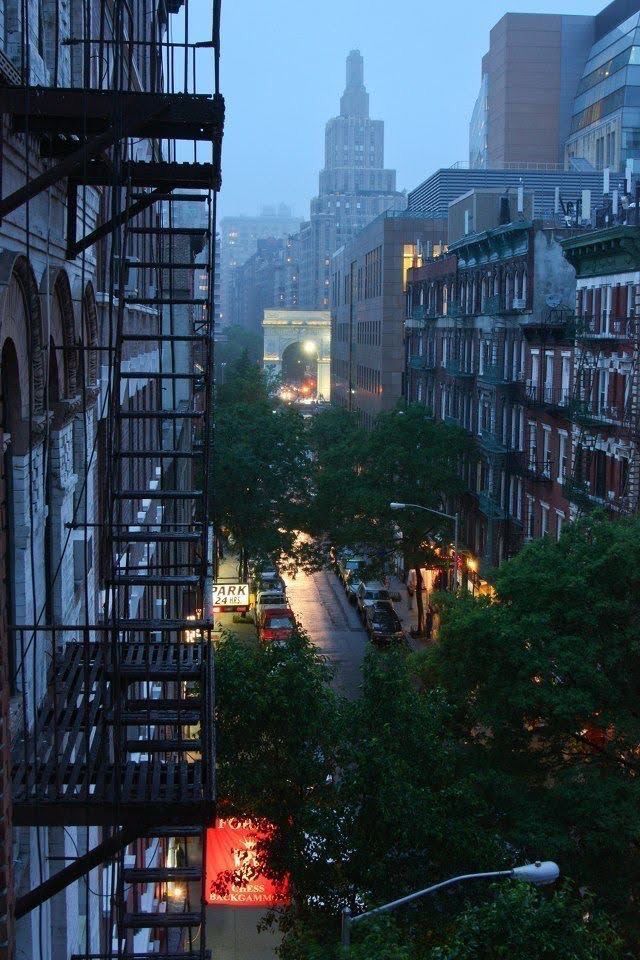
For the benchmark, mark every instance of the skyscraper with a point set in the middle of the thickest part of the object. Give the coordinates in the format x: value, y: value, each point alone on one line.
x: 354, y: 186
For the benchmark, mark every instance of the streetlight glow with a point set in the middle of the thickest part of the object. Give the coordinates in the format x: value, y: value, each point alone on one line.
x: 309, y: 347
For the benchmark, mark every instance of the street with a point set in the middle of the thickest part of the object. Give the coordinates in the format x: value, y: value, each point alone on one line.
x: 320, y: 604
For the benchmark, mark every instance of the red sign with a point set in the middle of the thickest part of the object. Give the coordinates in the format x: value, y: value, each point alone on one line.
x: 233, y: 871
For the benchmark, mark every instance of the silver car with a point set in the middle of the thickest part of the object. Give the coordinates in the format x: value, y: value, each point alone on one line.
x: 369, y: 593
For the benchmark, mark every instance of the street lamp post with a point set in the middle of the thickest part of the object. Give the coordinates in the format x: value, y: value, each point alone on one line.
x: 540, y: 874
x: 448, y: 516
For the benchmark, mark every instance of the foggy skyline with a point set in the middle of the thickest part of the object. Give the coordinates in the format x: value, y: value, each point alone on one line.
x: 283, y: 79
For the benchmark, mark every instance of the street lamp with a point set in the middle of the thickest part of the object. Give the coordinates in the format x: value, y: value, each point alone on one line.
x: 540, y: 874
x: 438, y: 513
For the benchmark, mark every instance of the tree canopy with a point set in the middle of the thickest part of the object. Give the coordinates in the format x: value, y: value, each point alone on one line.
x: 546, y: 681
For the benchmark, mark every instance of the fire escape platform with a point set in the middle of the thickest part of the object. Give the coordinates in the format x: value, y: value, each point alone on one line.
x: 79, y: 112
x: 160, y: 174
x: 72, y: 779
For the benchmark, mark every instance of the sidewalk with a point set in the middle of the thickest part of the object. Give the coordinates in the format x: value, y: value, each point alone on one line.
x: 408, y: 616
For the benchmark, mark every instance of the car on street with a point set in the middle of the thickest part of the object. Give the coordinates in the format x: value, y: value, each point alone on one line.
x: 276, y: 625
x: 383, y: 624
x: 348, y: 564
x: 269, y: 598
x: 369, y: 593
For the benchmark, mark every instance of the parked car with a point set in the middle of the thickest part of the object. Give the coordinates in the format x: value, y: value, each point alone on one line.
x: 268, y: 599
x: 276, y: 625
x: 369, y: 593
x: 350, y: 564
x: 383, y: 624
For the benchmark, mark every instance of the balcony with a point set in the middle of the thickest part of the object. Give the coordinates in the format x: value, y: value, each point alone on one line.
x: 539, y: 471
x: 552, y: 399
x: 494, y: 375
x: 455, y: 368
x: 490, y: 506
x: 579, y: 493
x: 492, y: 445
x: 591, y: 416
x: 604, y: 328
x: 416, y: 319
x: 423, y: 364
x: 554, y: 325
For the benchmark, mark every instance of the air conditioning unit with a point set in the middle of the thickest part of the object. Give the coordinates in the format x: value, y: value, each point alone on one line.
x: 519, y: 303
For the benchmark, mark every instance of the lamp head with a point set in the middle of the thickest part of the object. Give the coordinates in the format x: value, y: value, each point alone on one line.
x: 397, y: 506
x: 540, y: 874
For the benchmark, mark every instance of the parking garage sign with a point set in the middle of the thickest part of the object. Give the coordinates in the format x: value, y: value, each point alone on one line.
x: 231, y: 596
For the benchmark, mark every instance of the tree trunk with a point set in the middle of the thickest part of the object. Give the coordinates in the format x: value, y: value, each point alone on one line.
x: 419, y: 603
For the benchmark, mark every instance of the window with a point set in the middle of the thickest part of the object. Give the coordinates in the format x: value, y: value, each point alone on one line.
x: 546, y: 458
x: 544, y: 519
x: 562, y: 456
x: 533, y: 444
x: 559, y: 523
x: 548, y: 375
x: 566, y: 377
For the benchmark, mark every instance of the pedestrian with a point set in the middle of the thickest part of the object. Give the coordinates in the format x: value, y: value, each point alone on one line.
x: 428, y: 620
x: 411, y: 586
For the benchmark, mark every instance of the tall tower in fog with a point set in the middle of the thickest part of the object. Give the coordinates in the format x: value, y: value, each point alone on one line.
x: 354, y: 187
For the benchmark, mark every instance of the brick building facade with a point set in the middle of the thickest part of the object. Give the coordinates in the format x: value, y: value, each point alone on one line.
x: 605, y: 435
x: 487, y: 350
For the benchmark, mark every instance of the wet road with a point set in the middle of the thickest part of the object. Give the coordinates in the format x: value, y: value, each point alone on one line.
x: 320, y: 604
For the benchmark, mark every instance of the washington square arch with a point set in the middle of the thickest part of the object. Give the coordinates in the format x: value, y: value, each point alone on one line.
x: 298, y: 343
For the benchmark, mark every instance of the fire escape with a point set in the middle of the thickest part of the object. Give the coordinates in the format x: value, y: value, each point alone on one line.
x: 595, y: 419
x: 122, y: 738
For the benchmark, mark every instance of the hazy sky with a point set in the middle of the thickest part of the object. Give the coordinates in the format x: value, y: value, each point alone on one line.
x: 283, y: 64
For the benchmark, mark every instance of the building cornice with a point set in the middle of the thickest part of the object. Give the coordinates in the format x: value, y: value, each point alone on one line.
x: 612, y: 250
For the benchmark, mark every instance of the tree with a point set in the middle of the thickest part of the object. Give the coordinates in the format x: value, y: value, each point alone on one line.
x: 517, y: 921
x: 407, y: 456
x: 276, y: 720
x: 545, y: 681
x: 238, y: 341
x: 261, y: 475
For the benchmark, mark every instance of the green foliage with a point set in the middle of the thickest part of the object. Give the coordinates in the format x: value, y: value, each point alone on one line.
x: 547, y: 681
x: 239, y: 341
x: 517, y: 922
x: 261, y: 480
x: 407, y: 456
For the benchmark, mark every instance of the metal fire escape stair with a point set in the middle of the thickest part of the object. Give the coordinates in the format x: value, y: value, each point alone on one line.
x: 123, y: 736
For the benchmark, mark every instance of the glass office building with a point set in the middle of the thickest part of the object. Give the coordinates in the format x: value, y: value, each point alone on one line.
x: 605, y: 125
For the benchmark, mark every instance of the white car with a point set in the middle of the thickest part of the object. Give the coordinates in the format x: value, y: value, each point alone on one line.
x: 369, y: 593
x: 269, y: 598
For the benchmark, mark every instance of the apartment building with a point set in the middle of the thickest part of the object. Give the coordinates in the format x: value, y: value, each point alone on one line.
x: 606, y: 458
x: 489, y: 349
x: 99, y: 544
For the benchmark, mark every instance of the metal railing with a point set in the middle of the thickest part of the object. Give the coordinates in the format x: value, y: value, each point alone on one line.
x: 604, y: 327
x: 455, y: 368
x: 422, y: 363
x: 550, y: 397
x: 490, y: 506
x: 492, y: 444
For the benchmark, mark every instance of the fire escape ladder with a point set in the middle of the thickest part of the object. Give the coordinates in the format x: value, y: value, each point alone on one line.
x: 630, y: 501
x: 123, y: 736
x: 586, y: 430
